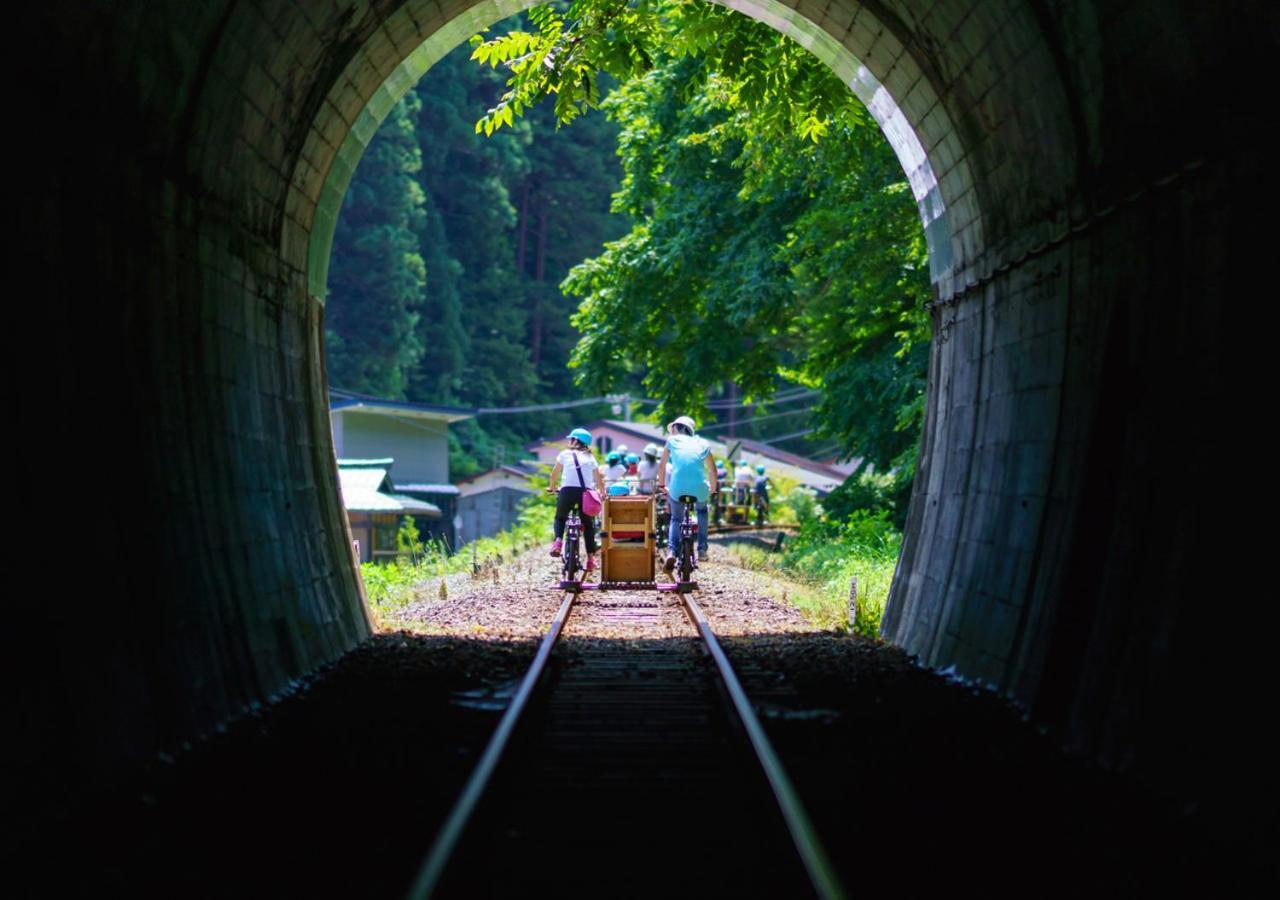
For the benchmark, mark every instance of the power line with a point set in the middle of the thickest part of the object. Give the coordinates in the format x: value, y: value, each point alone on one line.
x: 784, y: 397
x: 541, y: 407
x: 787, y: 437
x: 755, y: 419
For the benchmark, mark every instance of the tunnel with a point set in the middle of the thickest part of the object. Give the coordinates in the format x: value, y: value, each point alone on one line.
x: 1085, y: 174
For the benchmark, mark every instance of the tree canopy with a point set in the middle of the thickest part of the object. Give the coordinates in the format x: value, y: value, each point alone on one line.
x: 774, y: 240
x: 761, y: 234
x: 449, y: 251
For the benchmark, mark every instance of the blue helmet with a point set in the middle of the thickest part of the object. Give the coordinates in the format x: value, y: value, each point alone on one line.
x: 580, y: 434
x: 759, y: 470
x: 632, y: 459
x: 613, y: 457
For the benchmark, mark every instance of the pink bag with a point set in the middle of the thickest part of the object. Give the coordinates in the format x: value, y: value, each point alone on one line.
x: 591, y: 504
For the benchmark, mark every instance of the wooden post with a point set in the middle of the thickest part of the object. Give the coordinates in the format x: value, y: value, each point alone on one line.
x: 855, y: 607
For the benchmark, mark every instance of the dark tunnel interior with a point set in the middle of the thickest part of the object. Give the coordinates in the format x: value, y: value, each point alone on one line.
x: 1090, y: 177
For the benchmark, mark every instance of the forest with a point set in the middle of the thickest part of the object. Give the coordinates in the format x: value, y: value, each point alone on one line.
x: 666, y: 199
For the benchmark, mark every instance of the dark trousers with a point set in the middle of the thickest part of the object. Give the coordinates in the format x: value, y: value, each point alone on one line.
x: 570, y: 498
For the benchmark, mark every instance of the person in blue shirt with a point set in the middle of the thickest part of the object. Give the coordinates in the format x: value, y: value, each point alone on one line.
x: 685, y: 470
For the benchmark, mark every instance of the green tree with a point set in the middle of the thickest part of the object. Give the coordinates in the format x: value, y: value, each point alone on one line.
x: 377, y: 274
x: 499, y: 223
x: 759, y: 256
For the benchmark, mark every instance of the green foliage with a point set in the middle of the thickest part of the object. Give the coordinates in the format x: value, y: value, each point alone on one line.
x: 872, y: 493
x: 782, y: 85
x: 393, y: 585
x: 824, y: 557
x: 376, y: 282
x: 758, y: 256
x: 497, y: 224
x: 408, y: 539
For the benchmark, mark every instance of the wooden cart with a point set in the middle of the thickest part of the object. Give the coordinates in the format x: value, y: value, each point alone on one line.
x: 627, y: 549
x: 626, y: 540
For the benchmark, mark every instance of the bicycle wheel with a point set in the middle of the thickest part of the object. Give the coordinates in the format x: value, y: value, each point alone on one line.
x: 570, y: 553
x: 688, y: 562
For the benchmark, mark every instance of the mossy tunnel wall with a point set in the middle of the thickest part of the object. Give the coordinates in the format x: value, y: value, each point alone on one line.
x: 182, y: 165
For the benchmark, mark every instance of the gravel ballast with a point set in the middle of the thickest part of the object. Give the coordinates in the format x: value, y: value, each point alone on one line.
x: 915, y: 781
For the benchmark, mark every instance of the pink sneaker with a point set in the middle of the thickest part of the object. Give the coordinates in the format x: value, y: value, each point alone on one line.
x: 555, y: 548
x: 591, y: 563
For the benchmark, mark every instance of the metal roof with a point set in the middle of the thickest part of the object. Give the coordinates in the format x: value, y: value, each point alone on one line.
x: 345, y: 401
x: 429, y: 488
x: 367, y: 488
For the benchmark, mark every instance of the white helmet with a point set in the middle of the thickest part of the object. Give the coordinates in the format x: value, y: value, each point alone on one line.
x: 687, y: 422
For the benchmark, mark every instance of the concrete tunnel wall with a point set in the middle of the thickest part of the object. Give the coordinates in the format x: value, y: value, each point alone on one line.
x: 183, y: 162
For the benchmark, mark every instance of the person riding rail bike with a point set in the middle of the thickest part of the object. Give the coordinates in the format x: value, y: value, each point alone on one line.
x: 685, y: 470
x: 578, y: 467
x: 614, y: 469
x: 647, y: 470
x: 763, y: 483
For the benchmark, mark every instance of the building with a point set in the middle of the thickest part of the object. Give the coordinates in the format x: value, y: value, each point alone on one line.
x: 490, y: 501
x: 609, y: 434
x: 374, y: 508
x: 416, y: 436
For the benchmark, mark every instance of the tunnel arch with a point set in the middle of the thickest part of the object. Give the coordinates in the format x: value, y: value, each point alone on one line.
x: 833, y: 39
x: 1046, y: 546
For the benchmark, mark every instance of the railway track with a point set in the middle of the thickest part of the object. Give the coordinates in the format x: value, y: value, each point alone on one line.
x: 750, y: 529
x: 635, y: 768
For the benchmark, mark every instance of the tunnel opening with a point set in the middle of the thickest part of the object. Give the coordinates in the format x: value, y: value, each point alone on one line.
x: 345, y: 300
x: 1064, y: 181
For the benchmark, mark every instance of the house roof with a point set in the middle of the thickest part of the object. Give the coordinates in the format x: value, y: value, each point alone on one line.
x: 344, y: 401
x: 807, y: 471
x: 518, y: 471
x: 794, y: 459
x: 367, y: 488
x: 418, y: 487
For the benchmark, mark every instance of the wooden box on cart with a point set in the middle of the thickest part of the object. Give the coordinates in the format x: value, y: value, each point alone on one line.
x: 626, y: 539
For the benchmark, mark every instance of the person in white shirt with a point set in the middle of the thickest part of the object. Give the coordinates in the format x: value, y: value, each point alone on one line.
x: 744, y: 481
x: 575, y: 471
x: 647, y: 470
x: 615, y: 470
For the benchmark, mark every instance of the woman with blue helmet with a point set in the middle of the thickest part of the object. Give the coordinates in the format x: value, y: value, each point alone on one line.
x: 577, y: 464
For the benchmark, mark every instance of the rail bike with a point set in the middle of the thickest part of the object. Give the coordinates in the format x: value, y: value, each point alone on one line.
x: 629, y: 547
x: 738, y: 504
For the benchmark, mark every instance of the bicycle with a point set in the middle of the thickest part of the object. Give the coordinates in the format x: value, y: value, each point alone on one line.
x: 687, y: 558
x: 569, y: 550
x: 662, y: 525
x: 762, y: 511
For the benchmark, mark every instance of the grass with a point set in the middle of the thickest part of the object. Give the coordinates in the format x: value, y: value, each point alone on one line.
x: 392, y: 586
x: 820, y: 564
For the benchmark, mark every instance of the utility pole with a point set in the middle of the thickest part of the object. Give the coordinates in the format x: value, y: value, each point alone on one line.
x: 733, y: 409
x: 621, y: 405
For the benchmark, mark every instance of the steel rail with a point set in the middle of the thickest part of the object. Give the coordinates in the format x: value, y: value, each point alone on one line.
x: 821, y: 873
x: 434, y: 866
